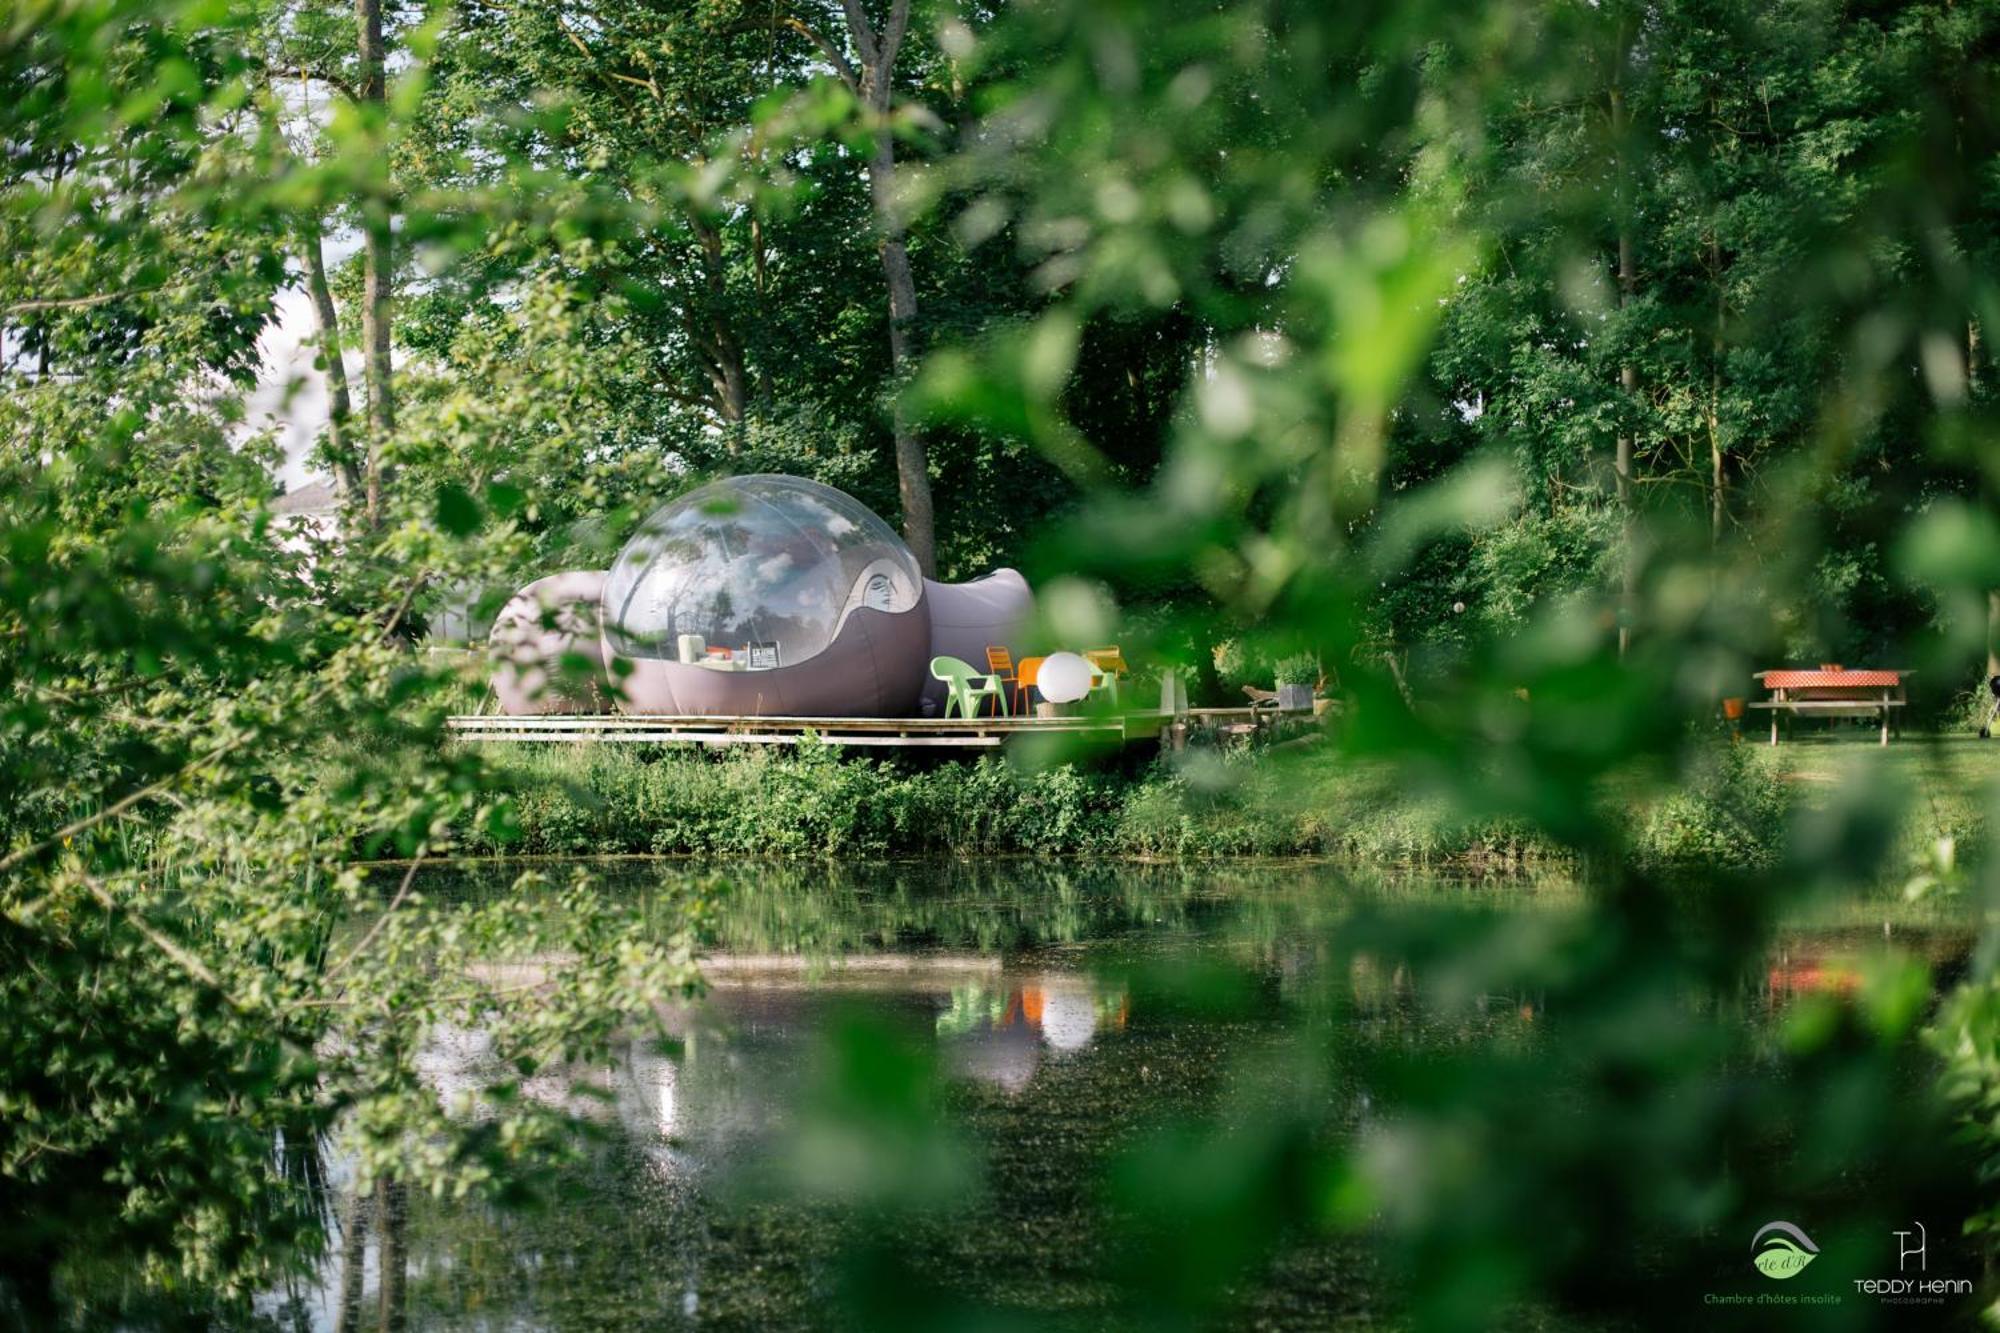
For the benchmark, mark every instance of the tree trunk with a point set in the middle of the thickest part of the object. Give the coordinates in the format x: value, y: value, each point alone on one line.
x: 1972, y: 387
x: 912, y: 467
x: 340, y: 443
x: 377, y: 261
x: 1717, y: 505
x: 874, y: 82
x: 1628, y: 383
x: 1718, y: 511
x: 760, y: 260
x: 353, y: 1262
x: 1992, y: 634
x: 392, y: 1255
x: 725, y: 349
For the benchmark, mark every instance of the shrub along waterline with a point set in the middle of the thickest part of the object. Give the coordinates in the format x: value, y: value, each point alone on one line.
x: 817, y: 801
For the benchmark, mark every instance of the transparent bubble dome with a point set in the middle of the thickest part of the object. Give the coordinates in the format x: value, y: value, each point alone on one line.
x: 767, y: 567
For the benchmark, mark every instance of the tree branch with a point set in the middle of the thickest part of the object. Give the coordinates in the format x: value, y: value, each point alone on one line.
x: 339, y: 404
x: 863, y: 32
x: 333, y: 81
x: 831, y: 52
x: 647, y: 84
x: 402, y: 893
x: 187, y: 962
x: 892, y: 40
x: 77, y: 302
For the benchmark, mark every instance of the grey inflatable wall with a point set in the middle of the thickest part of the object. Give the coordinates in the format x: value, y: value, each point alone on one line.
x: 548, y: 618
x: 966, y: 617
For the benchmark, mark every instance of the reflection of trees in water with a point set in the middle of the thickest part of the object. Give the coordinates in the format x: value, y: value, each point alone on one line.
x: 1274, y: 914
x: 832, y: 910
x: 622, y: 1239
x: 380, y: 1214
x: 1278, y: 916
x: 353, y: 1261
x: 633, y: 1230
x: 613, y: 1244
x: 1836, y: 963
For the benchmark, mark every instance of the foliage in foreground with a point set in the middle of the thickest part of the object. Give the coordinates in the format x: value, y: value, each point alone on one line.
x: 1655, y: 336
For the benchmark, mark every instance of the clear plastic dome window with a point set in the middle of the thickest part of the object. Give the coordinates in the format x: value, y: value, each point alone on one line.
x: 752, y: 573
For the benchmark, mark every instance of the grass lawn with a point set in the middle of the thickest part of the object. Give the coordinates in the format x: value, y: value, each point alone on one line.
x: 1954, y: 766
x: 1942, y: 785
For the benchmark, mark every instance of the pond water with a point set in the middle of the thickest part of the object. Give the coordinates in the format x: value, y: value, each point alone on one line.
x: 918, y: 1093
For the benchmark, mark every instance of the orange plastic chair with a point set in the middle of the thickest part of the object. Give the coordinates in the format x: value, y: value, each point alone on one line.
x: 1000, y: 665
x: 1025, y: 676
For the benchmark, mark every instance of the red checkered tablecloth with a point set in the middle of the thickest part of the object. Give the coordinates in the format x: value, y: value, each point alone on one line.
x: 1850, y: 680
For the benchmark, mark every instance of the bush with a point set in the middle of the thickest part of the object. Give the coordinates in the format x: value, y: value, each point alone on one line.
x: 816, y: 801
x: 807, y: 801
x: 819, y: 801
x: 1239, y: 662
x: 1730, y: 814
x: 1298, y: 669
x: 1970, y: 708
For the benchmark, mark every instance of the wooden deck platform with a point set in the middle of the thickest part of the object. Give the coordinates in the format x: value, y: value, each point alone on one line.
x: 984, y: 733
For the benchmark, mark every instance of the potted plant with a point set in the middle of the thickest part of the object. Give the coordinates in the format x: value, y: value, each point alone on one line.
x: 1239, y: 663
x: 1296, y: 677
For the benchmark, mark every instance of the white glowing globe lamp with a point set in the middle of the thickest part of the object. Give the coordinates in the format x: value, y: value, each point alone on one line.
x: 1064, y: 678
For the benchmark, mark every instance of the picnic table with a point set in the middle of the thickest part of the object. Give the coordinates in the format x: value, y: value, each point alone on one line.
x: 1832, y: 692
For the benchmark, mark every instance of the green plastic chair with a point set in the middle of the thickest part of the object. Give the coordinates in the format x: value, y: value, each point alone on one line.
x: 967, y: 689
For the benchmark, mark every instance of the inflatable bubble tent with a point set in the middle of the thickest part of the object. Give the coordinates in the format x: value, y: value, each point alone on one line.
x: 766, y: 568
x: 755, y: 596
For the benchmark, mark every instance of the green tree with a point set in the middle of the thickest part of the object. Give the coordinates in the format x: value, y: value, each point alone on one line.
x: 195, y: 969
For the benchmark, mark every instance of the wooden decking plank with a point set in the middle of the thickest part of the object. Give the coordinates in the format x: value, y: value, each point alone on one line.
x: 726, y: 738
x: 707, y: 729
x: 952, y: 726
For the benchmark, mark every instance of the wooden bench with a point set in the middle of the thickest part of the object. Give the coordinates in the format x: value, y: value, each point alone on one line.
x: 1832, y: 692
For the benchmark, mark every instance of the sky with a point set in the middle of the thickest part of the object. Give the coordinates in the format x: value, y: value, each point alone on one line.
x: 290, y: 394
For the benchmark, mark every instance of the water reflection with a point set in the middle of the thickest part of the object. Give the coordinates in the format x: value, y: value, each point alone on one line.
x: 998, y: 1034
x: 1811, y: 974
x: 363, y: 1283
x: 1836, y: 962
x: 677, y: 1127
x: 1075, y: 1010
